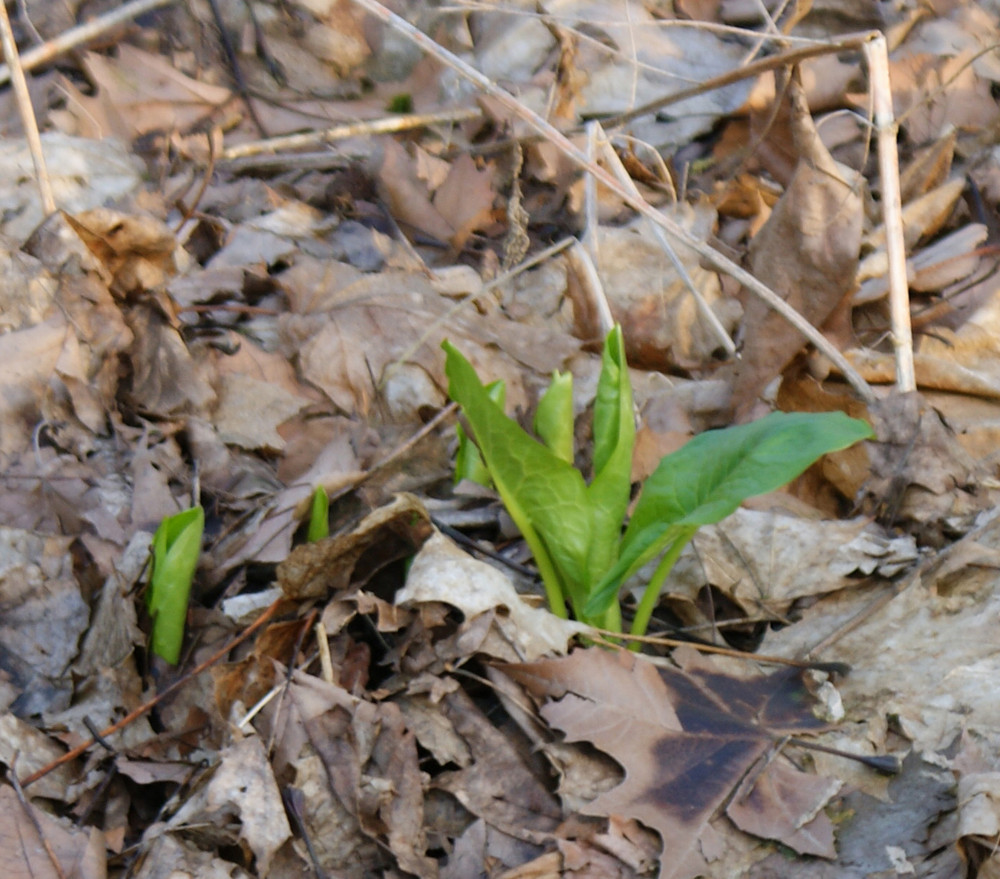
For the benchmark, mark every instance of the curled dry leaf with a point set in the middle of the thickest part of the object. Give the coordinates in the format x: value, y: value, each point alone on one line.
x: 327, y: 566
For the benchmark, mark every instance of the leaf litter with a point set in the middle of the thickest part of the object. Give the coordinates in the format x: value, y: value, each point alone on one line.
x: 193, y: 330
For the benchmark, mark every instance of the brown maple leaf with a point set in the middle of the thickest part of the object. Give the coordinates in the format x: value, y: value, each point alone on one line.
x: 687, y: 739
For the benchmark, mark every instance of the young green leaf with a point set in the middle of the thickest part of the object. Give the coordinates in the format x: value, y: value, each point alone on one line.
x: 554, y: 416
x: 614, y: 439
x: 319, y: 513
x: 468, y: 462
x: 710, y: 476
x: 545, y: 496
x: 176, y: 547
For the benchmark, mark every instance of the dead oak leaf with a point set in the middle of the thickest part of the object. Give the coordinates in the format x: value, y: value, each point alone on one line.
x: 466, y: 197
x: 686, y: 739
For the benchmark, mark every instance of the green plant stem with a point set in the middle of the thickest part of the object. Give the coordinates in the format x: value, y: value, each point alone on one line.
x: 612, y: 619
x: 652, y: 593
x: 546, y: 569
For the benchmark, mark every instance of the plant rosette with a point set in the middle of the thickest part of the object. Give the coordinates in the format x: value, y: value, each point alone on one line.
x: 576, y: 529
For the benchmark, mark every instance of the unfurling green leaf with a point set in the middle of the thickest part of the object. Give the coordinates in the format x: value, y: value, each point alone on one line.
x: 554, y: 416
x: 176, y: 547
x: 574, y: 529
x: 319, y: 515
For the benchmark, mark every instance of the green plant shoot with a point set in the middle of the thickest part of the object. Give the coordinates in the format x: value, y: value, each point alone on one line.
x: 574, y: 527
x: 319, y: 515
x: 176, y: 547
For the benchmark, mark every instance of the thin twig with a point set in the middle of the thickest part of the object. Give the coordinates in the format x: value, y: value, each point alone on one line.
x: 387, y: 125
x: 618, y: 169
x: 608, y: 638
x: 772, y: 62
x: 78, y: 36
x: 26, y: 111
x: 579, y: 158
x: 895, y: 247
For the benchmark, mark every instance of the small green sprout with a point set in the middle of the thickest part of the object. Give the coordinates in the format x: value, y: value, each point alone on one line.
x: 176, y: 547
x: 319, y: 513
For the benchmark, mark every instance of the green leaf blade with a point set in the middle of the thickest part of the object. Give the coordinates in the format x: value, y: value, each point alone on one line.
x: 709, y: 477
x: 545, y: 496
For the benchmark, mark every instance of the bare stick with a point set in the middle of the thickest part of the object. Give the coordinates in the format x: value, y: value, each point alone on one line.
x: 28, y: 121
x: 772, y: 62
x: 578, y: 157
x: 352, y: 129
x: 618, y: 169
x: 83, y: 34
x: 895, y: 247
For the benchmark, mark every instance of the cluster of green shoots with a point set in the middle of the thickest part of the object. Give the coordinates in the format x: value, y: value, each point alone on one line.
x: 575, y: 527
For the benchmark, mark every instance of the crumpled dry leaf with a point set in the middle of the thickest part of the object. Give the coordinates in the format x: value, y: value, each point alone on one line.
x: 241, y: 787
x: 767, y: 560
x: 44, y: 614
x: 327, y: 566
x: 443, y: 572
x: 137, y: 250
x: 663, y: 325
x: 83, y: 848
x: 356, y: 767
x: 166, y: 378
x: 919, y: 471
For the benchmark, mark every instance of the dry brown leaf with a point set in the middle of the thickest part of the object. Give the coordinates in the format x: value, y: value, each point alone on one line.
x: 356, y: 766
x: 136, y: 250
x: 932, y: 93
x: 29, y: 357
x: 501, y: 785
x: 327, y: 566
x: 765, y: 560
x: 384, y: 340
x: 242, y: 787
x: 25, y: 750
x: 443, y: 572
x: 466, y: 197
x: 821, y: 215
x: 663, y: 325
x: 928, y: 168
x: 919, y: 472
x: 686, y: 737
x: 407, y: 195
x: 931, y: 269
x: 138, y: 92
x: 44, y: 615
x: 63, y: 849
x: 166, y: 379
